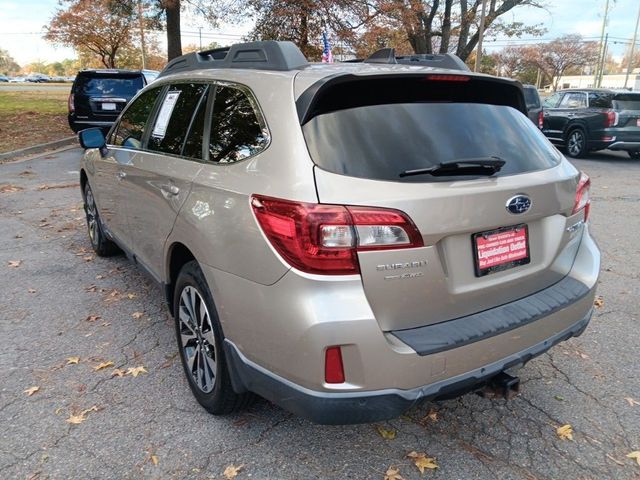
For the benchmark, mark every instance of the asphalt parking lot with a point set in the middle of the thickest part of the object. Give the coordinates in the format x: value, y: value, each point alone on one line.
x: 65, y: 315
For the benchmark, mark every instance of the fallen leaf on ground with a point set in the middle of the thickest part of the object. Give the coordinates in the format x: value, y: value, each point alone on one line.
x: 565, y: 432
x: 99, y: 277
x: 387, y: 434
x: 393, y: 474
x: 31, y: 391
x: 137, y: 315
x: 92, y: 318
x: 598, y: 302
x: 15, y: 263
x: 103, y: 365
x: 631, y: 401
x: 31, y: 290
x: 81, y: 417
x: 232, y: 471
x: 88, y: 258
x: 8, y: 188
x: 635, y: 455
x: 154, y: 459
x: 73, y: 360
x: 131, y: 296
x: 421, y: 461
x: 432, y: 415
x: 117, y: 372
x: 135, y: 371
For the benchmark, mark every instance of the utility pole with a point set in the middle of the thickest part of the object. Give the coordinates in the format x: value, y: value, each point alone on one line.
x: 141, y: 25
x: 631, y: 52
x: 480, y: 35
x: 596, y: 75
x: 200, y: 36
x: 604, y: 57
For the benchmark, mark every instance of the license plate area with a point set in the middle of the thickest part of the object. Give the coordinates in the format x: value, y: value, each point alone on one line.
x: 109, y: 106
x: 500, y: 249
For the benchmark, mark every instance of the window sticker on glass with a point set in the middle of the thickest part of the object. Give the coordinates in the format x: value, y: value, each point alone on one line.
x: 160, y: 128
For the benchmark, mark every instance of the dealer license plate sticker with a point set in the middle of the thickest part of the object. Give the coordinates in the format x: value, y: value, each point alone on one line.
x: 501, y: 249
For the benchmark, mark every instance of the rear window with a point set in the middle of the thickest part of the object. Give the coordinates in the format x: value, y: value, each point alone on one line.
x: 381, y: 141
x: 531, y: 97
x: 103, y: 86
x: 626, y: 101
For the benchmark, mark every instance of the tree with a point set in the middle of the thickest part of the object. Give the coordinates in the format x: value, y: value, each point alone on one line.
x: 7, y: 63
x: 451, y: 25
x: 560, y: 55
x: 102, y: 27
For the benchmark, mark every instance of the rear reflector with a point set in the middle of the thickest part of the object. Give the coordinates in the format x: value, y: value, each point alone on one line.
x: 582, y: 196
x: 448, y: 78
x: 325, y: 239
x: 333, y: 368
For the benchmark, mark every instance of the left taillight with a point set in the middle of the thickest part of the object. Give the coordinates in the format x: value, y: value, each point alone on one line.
x: 582, y: 201
x: 540, y: 119
x: 325, y: 239
x: 70, y: 103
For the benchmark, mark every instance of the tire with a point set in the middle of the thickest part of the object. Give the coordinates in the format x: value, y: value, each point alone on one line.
x: 576, y: 143
x: 199, y: 338
x: 99, y: 241
x: 634, y: 154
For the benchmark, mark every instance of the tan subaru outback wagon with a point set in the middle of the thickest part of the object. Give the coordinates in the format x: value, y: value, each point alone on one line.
x: 346, y: 239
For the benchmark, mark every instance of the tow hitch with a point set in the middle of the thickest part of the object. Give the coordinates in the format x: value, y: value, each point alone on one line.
x: 502, y: 385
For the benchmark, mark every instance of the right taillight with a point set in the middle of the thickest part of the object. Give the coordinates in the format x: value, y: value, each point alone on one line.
x: 70, y: 103
x: 611, y: 118
x: 582, y: 201
x: 325, y: 239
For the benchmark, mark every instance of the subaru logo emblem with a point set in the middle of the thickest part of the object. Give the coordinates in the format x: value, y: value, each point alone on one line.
x: 518, y: 204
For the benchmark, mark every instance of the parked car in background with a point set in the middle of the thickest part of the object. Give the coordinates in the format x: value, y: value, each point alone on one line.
x: 38, y: 78
x: 16, y: 79
x: 534, y: 105
x: 4, y: 78
x: 312, y: 253
x: 98, y: 96
x: 585, y: 120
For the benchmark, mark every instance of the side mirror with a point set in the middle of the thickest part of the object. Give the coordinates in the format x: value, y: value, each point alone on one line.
x: 92, y: 138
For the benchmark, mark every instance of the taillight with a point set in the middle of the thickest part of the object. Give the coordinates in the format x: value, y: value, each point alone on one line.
x: 448, y: 78
x: 325, y: 239
x: 540, y: 120
x: 582, y: 196
x: 72, y: 107
x: 333, y: 368
x: 611, y: 119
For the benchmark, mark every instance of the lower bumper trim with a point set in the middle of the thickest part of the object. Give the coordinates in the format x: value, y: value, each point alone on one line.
x: 331, y: 408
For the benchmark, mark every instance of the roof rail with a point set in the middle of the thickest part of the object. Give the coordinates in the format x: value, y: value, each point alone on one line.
x: 445, y: 60
x: 265, y: 55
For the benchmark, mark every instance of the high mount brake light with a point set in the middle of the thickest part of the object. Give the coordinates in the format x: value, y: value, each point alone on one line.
x: 582, y: 200
x: 325, y: 239
x: 448, y: 78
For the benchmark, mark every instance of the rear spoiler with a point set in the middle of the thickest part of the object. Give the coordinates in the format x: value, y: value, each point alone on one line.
x: 342, y: 91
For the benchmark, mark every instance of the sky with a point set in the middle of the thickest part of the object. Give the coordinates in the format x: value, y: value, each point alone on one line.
x: 21, y: 28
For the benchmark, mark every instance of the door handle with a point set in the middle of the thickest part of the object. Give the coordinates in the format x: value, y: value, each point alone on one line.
x: 170, y: 189
x: 121, y: 175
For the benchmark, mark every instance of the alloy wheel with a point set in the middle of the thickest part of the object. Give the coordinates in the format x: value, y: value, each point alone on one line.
x: 576, y: 142
x: 92, y: 216
x: 197, y: 339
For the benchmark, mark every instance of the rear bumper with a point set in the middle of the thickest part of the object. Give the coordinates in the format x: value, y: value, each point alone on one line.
x: 627, y: 146
x: 363, y: 407
x: 77, y: 125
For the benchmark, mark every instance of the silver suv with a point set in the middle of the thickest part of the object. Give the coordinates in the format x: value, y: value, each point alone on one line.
x: 348, y: 239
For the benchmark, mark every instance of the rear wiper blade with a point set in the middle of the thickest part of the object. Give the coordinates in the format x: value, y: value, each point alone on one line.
x: 466, y: 166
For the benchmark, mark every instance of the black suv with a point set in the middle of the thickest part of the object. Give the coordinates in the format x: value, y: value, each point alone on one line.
x: 584, y: 120
x: 98, y: 96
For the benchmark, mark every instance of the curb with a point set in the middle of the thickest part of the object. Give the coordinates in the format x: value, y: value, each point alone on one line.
x: 43, y: 147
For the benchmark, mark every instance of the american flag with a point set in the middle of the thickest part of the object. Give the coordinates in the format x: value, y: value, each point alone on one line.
x: 327, y: 57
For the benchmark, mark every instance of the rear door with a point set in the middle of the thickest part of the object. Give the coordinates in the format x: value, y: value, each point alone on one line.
x: 552, y: 117
x: 102, y: 95
x: 159, y: 178
x: 478, y: 253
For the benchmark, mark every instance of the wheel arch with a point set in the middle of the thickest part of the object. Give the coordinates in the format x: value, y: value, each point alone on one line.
x: 178, y: 254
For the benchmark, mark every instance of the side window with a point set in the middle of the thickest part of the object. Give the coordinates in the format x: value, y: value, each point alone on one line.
x: 129, y: 131
x: 599, y: 100
x: 193, y: 143
x: 574, y: 100
x: 174, y: 117
x: 552, y: 101
x: 237, y: 128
